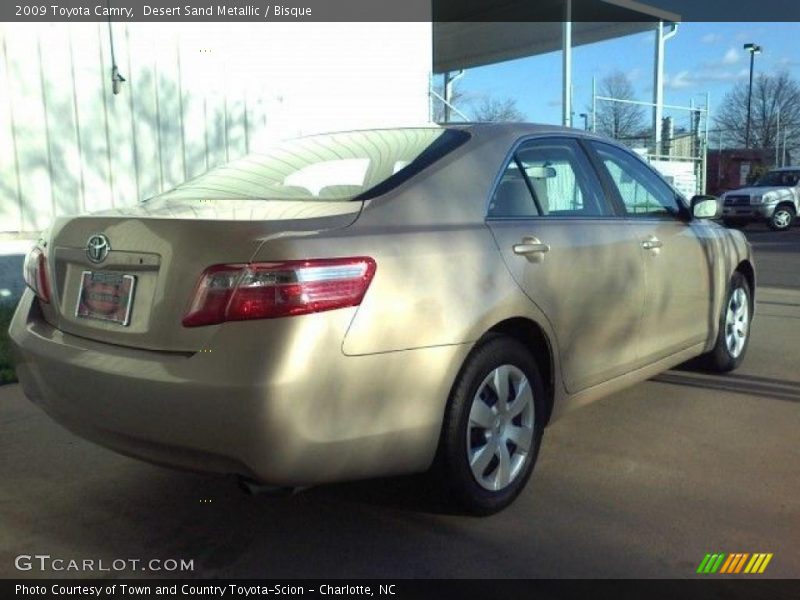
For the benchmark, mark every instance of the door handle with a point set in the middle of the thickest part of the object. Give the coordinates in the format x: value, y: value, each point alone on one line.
x: 529, y: 246
x: 652, y: 243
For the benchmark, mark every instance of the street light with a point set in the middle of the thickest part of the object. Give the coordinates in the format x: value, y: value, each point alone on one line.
x: 585, y: 117
x: 753, y: 49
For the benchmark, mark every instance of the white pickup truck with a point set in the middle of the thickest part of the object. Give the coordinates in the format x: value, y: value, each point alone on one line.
x: 775, y: 197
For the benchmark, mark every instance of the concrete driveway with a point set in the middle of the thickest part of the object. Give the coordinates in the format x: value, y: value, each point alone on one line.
x: 641, y: 484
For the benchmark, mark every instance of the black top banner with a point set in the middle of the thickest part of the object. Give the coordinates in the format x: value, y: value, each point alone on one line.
x: 401, y: 10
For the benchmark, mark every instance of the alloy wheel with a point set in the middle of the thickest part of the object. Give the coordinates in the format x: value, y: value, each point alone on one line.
x: 737, y: 322
x: 500, y: 428
x: 782, y: 218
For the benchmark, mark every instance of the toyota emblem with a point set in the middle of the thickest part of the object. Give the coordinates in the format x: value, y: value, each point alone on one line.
x: 97, y: 248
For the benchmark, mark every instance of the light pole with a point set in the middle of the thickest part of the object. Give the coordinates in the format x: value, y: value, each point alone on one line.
x: 585, y: 117
x: 783, y: 157
x: 753, y: 49
x: 777, y: 133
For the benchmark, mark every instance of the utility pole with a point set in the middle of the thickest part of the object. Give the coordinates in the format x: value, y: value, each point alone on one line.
x: 753, y: 49
x: 785, y: 135
x: 719, y: 159
x: 777, y: 133
x: 585, y: 117
x: 449, y: 80
x: 566, y: 65
x: 658, y: 80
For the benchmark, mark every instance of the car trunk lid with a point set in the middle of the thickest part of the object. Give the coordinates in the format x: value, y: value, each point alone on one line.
x: 163, y: 247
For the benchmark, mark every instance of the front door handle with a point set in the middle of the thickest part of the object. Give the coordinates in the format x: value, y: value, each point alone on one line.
x: 652, y: 243
x: 531, y: 246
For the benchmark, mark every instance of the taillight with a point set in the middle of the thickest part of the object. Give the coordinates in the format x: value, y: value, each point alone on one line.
x: 35, y: 273
x: 269, y: 290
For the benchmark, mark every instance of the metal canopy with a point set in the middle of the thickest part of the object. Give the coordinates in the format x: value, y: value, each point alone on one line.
x: 467, y: 45
x: 472, y: 33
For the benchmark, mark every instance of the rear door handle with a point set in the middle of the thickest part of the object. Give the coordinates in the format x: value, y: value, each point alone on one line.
x: 529, y: 246
x: 652, y: 244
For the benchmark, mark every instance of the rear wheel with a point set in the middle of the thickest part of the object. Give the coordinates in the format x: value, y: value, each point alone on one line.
x: 493, y: 427
x: 734, y: 328
x: 782, y: 218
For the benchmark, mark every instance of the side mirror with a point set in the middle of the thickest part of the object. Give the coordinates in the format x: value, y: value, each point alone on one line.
x: 706, y: 207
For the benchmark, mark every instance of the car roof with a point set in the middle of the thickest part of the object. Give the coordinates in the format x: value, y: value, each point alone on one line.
x: 519, y: 129
x: 509, y: 130
x: 483, y: 128
x: 786, y: 169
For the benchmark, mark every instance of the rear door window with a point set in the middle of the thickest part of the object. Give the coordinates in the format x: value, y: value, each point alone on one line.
x: 549, y: 178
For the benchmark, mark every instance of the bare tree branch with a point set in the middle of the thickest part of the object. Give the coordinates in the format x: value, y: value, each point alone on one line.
x: 615, y: 119
x: 494, y: 109
x: 456, y: 100
x: 771, y: 94
x: 483, y: 107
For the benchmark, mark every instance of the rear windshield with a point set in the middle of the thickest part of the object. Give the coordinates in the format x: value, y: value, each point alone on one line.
x: 338, y: 166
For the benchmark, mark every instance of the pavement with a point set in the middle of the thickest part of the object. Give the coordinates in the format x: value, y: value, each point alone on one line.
x: 640, y: 484
x: 777, y: 255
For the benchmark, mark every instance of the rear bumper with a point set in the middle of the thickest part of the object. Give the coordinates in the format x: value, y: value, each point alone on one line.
x: 294, y: 411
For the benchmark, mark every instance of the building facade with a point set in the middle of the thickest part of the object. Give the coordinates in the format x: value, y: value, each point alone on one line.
x: 195, y: 95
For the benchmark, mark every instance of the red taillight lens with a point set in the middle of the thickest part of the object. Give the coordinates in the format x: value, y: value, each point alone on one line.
x: 269, y: 290
x: 35, y: 273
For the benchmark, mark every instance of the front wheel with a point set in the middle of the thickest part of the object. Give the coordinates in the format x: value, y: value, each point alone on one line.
x: 493, y: 427
x: 781, y: 219
x: 734, y: 328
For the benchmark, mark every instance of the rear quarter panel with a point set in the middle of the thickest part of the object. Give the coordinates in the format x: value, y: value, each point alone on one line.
x: 440, y: 279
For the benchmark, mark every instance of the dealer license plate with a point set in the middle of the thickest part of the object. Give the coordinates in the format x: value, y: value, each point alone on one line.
x: 106, y: 296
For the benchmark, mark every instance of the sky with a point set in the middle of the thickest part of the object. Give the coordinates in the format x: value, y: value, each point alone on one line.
x: 702, y: 58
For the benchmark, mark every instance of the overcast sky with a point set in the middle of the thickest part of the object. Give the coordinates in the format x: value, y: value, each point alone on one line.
x: 702, y: 57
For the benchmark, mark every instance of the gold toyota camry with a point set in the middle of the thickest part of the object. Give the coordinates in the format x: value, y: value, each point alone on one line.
x: 370, y: 303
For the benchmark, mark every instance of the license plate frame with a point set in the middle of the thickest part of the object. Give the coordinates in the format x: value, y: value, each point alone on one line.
x: 121, y: 315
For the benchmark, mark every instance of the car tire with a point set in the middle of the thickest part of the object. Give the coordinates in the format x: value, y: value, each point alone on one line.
x: 782, y: 218
x: 734, y: 223
x: 482, y: 462
x: 734, y: 328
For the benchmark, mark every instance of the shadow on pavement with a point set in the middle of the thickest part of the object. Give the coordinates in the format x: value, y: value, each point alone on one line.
x: 413, y: 493
x: 777, y: 389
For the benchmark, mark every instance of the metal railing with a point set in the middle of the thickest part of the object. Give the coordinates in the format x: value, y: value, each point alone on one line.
x: 434, y: 94
x: 659, y: 143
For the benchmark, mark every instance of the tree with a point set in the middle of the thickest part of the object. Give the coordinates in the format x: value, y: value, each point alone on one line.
x: 771, y: 94
x: 489, y: 109
x: 495, y: 109
x: 456, y: 100
x: 618, y: 120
